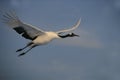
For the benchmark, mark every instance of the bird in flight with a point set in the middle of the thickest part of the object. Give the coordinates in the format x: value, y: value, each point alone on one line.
x: 36, y: 35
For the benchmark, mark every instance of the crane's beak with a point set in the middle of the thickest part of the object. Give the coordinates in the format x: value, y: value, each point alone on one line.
x: 75, y: 35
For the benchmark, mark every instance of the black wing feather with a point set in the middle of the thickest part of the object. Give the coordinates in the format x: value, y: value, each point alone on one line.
x: 22, y: 31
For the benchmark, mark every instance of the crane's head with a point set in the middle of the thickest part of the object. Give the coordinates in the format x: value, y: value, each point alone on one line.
x: 73, y: 35
x: 69, y: 35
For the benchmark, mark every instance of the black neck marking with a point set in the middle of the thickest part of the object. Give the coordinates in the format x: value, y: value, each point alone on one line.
x: 64, y: 36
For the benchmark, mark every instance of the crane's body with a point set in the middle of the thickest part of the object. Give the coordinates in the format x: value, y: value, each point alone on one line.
x: 36, y: 35
x: 45, y: 38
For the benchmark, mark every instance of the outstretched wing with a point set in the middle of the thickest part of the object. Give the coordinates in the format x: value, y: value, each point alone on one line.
x: 26, y: 30
x: 71, y: 29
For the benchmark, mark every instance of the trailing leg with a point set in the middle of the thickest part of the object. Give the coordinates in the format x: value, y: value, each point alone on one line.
x: 29, y: 44
x: 27, y: 51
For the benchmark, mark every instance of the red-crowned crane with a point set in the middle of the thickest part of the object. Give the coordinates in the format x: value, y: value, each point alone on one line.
x: 36, y: 35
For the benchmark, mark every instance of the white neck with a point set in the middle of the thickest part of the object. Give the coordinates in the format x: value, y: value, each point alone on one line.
x: 52, y: 35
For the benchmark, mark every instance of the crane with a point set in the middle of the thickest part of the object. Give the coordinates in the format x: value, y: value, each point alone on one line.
x: 36, y: 35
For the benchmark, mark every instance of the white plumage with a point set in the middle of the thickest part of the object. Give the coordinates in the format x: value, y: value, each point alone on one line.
x: 36, y: 35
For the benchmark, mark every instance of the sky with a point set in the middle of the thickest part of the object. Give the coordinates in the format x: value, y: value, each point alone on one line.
x: 95, y: 55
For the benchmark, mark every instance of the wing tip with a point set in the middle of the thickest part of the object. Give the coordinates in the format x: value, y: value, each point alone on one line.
x: 79, y: 20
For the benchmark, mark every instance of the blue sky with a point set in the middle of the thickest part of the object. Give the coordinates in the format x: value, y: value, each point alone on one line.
x: 93, y: 56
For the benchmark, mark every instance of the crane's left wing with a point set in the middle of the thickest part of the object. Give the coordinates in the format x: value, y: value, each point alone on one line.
x: 26, y: 30
x: 71, y: 29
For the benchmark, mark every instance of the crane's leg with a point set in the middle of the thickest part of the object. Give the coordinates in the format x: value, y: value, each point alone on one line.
x: 27, y: 50
x: 29, y: 44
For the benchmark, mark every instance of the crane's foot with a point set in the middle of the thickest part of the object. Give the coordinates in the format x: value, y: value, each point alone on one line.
x: 19, y: 50
x: 21, y: 54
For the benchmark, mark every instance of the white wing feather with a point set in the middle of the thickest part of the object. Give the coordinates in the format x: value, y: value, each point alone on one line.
x: 29, y: 31
x: 71, y: 29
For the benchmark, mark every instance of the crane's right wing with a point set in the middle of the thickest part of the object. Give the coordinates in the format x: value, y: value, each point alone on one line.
x: 71, y: 29
x: 26, y: 30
